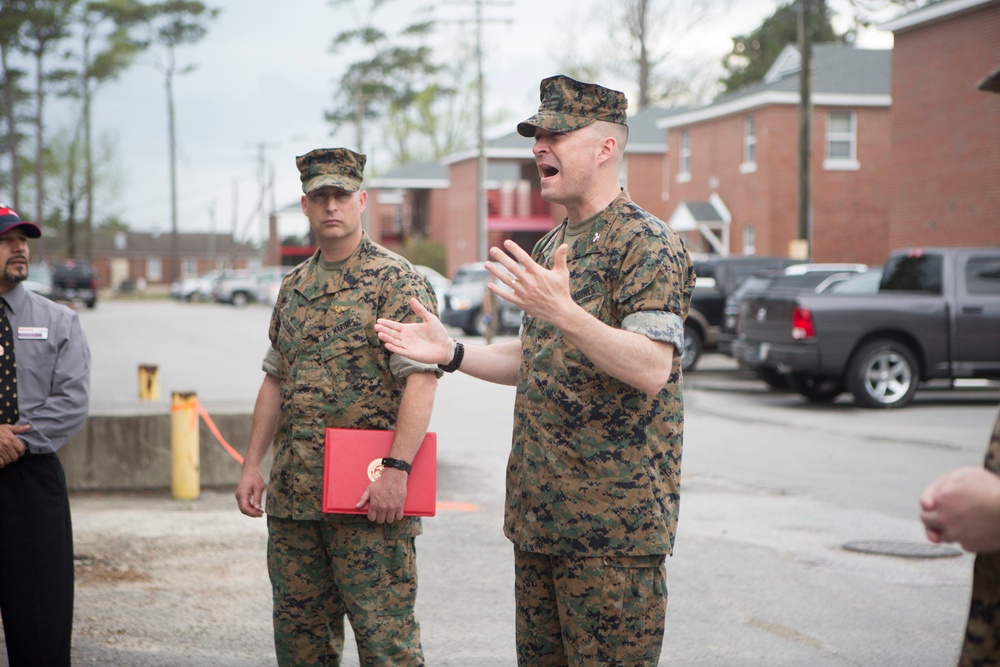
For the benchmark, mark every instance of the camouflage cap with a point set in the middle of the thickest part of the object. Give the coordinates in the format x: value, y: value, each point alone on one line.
x: 331, y: 167
x: 568, y: 105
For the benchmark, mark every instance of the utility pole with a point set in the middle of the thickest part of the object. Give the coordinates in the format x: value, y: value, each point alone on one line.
x: 482, y: 231
x: 803, y: 250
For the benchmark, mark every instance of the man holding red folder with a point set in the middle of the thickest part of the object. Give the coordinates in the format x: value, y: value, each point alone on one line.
x: 326, y: 369
x: 593, y: 478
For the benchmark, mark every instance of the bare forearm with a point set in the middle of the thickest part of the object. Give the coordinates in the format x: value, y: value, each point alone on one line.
x: 414, y: 415
x: 497, y: 363
x: 630, y: 357
x: 265, y: 421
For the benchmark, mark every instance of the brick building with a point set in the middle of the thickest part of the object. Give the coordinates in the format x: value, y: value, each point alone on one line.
x: 125, y: 256
x: 945, y: 185
x: 905, y: 151
x: 732, y: 165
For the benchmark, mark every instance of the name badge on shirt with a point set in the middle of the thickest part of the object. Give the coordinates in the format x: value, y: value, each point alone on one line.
x: 32, y: 333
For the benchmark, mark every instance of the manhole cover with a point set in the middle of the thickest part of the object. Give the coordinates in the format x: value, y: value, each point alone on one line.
x: 902, y: 549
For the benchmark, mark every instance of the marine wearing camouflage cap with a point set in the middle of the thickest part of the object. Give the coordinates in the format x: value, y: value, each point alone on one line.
x: 331, y: 167
x: 568, y: 105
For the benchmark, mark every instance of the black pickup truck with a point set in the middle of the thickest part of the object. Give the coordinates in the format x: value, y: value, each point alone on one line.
x: 74, y: 281
x: 717, y: 278
x: 936, y: 315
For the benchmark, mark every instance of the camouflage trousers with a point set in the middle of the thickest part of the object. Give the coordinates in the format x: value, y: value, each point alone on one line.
x: 589, y: 611
x: 323, y: 570
x: 982, y: 631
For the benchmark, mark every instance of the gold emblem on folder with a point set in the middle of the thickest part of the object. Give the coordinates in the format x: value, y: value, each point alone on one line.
x: 375, y: 469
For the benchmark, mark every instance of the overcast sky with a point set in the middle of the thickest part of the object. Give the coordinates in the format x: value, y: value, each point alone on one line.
x: 265, y: 76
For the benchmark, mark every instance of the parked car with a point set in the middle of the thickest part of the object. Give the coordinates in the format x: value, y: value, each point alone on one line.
x: 463, y: 303
x: 269, y: 281
x: 860, y: 283
x: 717, y: 277
x: 39, y: 280
x: 74, y: 281
x: 235, y: 286
x: 438, y: 282
x: 936, y: 315
x: 814, y: 277
x: 196, y: 288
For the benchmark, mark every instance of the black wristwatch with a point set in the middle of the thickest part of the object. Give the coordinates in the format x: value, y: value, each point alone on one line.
x: 398, y: 464
x: 456, y: 360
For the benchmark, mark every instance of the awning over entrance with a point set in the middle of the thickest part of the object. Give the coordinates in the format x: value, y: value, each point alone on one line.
x: 536, y: 223
x: 709, y: 218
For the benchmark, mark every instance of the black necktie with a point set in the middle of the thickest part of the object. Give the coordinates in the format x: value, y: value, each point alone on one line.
x: 8, y: 370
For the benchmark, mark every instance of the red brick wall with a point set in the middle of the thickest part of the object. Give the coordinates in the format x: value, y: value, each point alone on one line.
x: 645, y: 182
x: 849, y: 210
x: 945, y: 179
x: 461, y: 221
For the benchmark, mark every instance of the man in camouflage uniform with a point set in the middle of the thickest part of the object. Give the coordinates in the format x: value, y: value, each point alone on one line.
x: 964, y: 506
x: 326, y: 368
x: 594, y: 471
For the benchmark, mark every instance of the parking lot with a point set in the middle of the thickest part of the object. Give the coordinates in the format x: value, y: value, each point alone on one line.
x: 774, y: 490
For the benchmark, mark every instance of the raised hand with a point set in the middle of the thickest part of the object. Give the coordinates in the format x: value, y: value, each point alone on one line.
x: 540, y: 292
x: 427, y: 341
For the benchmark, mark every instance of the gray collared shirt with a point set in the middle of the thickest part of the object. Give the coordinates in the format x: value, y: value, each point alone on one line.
x: 53, y: 369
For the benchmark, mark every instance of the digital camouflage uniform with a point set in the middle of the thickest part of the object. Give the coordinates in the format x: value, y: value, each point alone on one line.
x: 594, y: 470
x: 982, y: 634
x: 334, y: 372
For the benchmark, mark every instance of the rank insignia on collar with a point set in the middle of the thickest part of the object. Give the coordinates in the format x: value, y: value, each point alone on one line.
x: 597, y: 237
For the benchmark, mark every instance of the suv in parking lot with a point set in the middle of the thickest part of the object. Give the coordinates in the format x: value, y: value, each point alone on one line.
x: 74, y: 281
x: 463, y: 303
x: 235, y: 286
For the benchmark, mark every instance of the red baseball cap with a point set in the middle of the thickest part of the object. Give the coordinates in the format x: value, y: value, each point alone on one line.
x: 9, y: 220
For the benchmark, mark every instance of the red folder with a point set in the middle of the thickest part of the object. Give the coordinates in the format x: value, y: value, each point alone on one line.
x: 353, y: 460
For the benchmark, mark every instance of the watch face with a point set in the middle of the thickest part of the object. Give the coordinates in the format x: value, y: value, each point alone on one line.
x: 375, y: 469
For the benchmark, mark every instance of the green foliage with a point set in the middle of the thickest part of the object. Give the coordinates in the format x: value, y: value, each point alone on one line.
x: 390, y: 74
x: 426, y: 252
x: 753, y: 54
x: 177, y: 22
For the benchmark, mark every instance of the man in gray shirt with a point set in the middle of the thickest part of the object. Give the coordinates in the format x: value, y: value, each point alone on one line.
x: 44, y: 399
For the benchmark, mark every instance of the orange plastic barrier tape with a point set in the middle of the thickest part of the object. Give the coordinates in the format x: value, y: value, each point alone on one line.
x: 211, y: 427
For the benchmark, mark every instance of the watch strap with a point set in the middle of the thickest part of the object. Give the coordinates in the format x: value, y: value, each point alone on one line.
x: 456, y: 360
x: 398, y: 464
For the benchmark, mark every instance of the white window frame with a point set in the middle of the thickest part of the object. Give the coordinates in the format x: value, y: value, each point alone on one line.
x: 154, y: 269
x: 749, y: 240
x: 841, y: 163
x: 749, y: 164
x: 684, y: 158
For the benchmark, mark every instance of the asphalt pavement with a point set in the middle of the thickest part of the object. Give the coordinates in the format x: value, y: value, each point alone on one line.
x: 774, y: 493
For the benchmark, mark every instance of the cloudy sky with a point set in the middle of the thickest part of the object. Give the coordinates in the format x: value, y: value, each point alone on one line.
x: 264, y: 76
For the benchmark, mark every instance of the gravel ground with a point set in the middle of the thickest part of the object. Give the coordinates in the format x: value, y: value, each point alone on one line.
x: 139, y: 561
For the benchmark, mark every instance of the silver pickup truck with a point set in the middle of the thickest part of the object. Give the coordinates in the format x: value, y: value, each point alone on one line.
x: 936, y: 315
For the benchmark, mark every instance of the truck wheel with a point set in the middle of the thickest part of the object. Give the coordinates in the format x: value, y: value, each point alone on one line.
x: 240, y: 299
x: 477, y: 324
x: 883, y: 374
x: 692, y: 348
x: 816, y: 389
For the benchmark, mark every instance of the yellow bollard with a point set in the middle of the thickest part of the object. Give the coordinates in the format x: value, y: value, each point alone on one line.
x: 184, y: 445
x: 149, y: 382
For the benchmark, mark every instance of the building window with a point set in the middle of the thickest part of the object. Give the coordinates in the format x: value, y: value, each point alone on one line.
x: 154, y: 269
x: 749, y: 164
x: 189, y: 266
x: 684, y: 158
x: 749, y: 240
x: 841, y: 141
